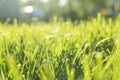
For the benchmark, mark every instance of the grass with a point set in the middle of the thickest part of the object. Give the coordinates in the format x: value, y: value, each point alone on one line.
x: 61, y: 50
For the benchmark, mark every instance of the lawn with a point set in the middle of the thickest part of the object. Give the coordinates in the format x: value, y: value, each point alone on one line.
x: 61, y: 50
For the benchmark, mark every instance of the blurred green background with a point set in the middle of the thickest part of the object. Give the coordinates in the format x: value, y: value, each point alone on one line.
x: 45, y: 10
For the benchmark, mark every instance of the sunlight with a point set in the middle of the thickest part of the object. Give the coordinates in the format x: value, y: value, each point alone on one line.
x: 24, y: 1
x: 44, y: 1
x: 28, y: 9
x: 62, y: 3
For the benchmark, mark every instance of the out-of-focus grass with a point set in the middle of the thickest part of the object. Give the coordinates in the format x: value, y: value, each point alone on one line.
x: 60, y: 50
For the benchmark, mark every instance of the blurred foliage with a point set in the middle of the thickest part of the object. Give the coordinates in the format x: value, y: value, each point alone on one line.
x: 72, y: 9
x: 81, y: 9
x: 9, y: 9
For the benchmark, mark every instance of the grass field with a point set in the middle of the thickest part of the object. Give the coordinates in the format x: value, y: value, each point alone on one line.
x: 61, y: 50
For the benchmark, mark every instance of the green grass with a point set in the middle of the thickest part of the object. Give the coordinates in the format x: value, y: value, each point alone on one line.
x: 61, y: 50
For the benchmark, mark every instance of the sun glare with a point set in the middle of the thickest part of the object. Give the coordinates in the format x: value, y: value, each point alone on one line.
x: 44, y: 1
x: 62, y: 3
x: 24, y: 1
x: 28, y: 9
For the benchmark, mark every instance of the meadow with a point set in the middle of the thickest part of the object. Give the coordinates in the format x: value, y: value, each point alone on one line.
x: 61, y: 50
